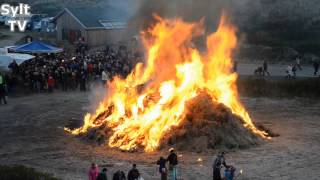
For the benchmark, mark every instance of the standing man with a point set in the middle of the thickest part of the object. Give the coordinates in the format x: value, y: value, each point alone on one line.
x: 162, y: 168
x: 265, y: 68
x: 83, y: 79
x: 298, y: 63
x: 316, y: 67
x: 173, y: 162
x: 217, y: 165
x: 133, y: 173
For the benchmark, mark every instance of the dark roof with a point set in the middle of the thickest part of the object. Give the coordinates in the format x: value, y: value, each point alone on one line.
x: 91, y: 17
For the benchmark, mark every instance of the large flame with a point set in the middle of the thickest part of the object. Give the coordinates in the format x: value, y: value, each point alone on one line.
x: 143, y: 107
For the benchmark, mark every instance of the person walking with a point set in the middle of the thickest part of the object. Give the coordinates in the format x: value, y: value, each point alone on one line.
x: 173, y: 162
x: 294, y: 70
x: 217, y: 165
x: 93, y: 172
x: 298, y: 63
x: 162, y: 168
x: 265, y: 68
x: 133, y: 174
x: 289, y: 71
x: 315, y: 67
x: 103, y: 175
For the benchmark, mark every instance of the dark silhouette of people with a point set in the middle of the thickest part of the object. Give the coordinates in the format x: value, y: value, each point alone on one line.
x: 133, y: 174
x: 103, y: 175
x: 119, y: 175
x: 265, y: 68
x: 162, y: 168
x: 217, y: 165
x: 315, y: 67
x: 173, y: 162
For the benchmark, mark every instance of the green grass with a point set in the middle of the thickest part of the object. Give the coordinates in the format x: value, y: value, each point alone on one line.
x: 258, y: 87
x: 19, y: 172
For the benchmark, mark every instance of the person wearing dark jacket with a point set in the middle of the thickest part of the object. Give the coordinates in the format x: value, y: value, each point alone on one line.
x: 103, y: 175
x: 173, y: 162
x: 315, y: 67
x: 133, y: 173
x: 265, y: 69
x: 162, y: 168
x: 119, y: 175
x: 217, y: 164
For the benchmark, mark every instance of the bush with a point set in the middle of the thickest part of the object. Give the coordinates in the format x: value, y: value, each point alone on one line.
x: 19, y: 172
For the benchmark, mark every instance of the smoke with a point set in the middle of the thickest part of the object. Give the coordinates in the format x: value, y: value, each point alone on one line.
x: 97, y: 93
x: 189, y: 10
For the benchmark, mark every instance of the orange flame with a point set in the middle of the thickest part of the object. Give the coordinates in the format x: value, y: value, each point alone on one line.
x: 174, y: 73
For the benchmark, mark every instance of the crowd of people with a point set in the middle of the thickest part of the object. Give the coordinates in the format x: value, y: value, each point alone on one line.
x: 66, y: 72
x: 134, y: 174
x: 165, y: 173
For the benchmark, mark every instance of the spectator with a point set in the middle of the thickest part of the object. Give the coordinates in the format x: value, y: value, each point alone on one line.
x: 265, y: 68
x: 315, y: 67
x: 119, y: 175
x: 69, y: 70
x: 298, y: 63
x: 51, y: 83
x: 229, y: 173
x: 289, y: 71
x: 162, y: 168
x: 93, y: 172
x: 133, y: 173
x: 83, y: 81
x: 14, y: 68
x: 103, y: 175
x: 173, y: 162
x: 104, y: 77
x: 217, y: 164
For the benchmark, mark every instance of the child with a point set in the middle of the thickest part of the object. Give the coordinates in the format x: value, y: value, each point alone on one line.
x: 229, y: 173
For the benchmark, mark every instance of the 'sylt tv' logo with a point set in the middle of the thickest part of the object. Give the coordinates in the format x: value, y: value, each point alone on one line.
x: 17, y: 15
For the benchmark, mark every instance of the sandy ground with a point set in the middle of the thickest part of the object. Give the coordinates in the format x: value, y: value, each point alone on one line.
x: 31, y: 133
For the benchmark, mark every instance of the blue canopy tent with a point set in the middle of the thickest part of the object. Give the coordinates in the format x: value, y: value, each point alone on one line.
x: 36, y: 47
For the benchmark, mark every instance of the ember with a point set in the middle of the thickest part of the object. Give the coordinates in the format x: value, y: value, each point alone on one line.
x: 174, y: 73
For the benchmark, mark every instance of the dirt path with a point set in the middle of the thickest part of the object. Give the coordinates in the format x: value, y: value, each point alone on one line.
x: 31, y: 133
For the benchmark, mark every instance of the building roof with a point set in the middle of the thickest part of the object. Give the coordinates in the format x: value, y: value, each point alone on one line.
x: 95, y: 17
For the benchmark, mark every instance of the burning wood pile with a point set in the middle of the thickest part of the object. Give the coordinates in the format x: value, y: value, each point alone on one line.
x: 179, y: 96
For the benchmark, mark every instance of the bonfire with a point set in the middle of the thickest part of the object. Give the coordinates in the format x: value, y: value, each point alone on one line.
x: 152, y: 104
